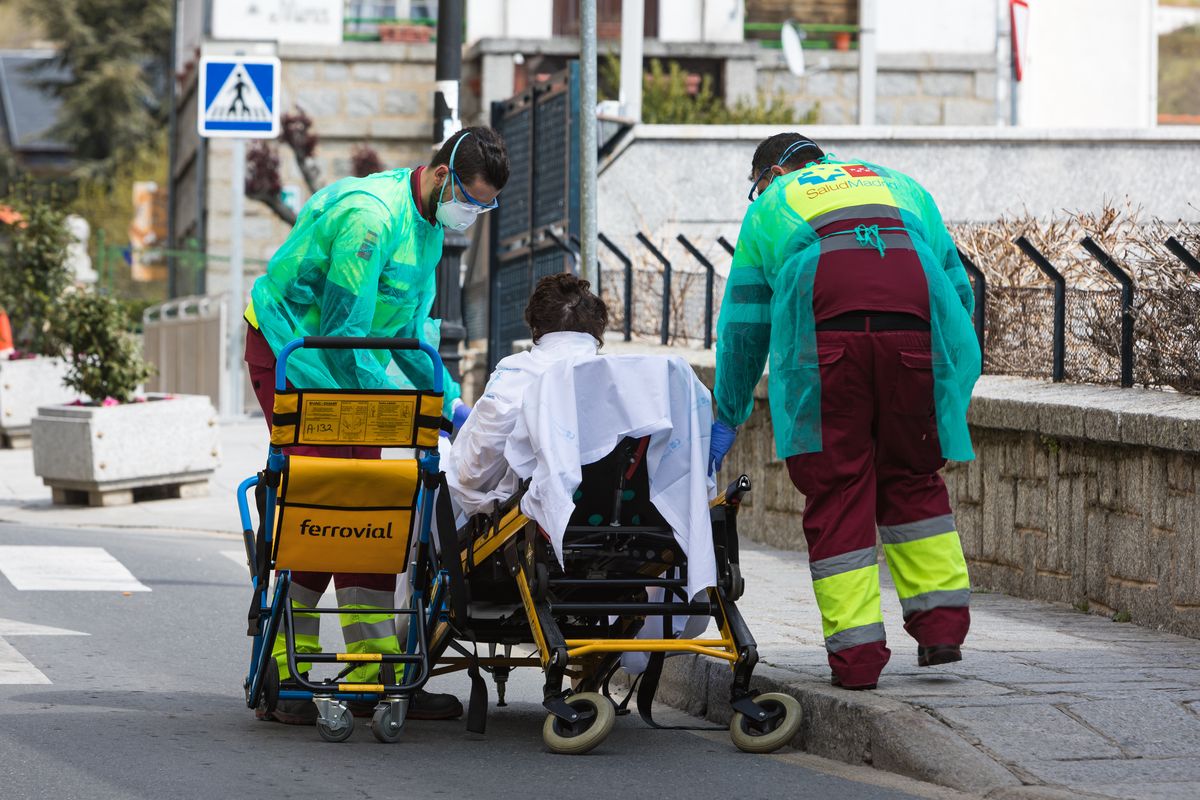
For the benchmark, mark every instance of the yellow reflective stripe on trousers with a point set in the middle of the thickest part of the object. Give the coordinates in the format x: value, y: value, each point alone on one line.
x: 931, y: 567
x: 307, y: 636
x: 367, y: 631
x: 849, y: 600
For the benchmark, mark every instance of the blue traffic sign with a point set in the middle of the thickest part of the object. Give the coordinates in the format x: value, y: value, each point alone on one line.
x: 239, y: 97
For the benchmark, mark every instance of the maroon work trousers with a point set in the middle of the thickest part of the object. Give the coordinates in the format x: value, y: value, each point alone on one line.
x: 878, y: 466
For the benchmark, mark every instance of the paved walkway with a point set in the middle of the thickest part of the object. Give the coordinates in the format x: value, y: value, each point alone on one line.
x: 23, y: 497
x: 1045, y: 697
x: 1048, y: 702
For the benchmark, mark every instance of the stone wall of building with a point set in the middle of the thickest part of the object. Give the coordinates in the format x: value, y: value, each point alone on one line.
x: 692, y: 179
x: 911, y: 89
x: 373, y: 93
x: 1078, y: 494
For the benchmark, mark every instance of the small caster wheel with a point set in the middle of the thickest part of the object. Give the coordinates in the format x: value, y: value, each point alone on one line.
x: 338, y: 729
x: 387, y: 723
x: 596, y: 717
x: 769, y: 736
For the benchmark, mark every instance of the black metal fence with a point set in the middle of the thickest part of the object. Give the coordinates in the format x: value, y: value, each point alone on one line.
x: 540, y: 205
x: 1091, y: 334
x: 1128, y: 336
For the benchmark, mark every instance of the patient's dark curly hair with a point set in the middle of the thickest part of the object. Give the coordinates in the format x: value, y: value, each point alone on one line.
x: 563, y: 302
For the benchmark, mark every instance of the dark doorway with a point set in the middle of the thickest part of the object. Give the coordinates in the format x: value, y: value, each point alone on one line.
x: 608, y: 19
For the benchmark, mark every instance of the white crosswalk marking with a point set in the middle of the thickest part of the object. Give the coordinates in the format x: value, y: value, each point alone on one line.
x: 88, y: 569
x: 236, y: 556
x: 14, y: 667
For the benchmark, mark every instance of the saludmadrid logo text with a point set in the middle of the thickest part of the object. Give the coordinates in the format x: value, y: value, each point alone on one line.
x: 344, y: 531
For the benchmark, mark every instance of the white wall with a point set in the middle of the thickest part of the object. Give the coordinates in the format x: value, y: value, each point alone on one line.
x: 937, y: 26
x: 518, y: 19
x: 1090, y: 63
x: 189, y: 33
x: 700, y: 20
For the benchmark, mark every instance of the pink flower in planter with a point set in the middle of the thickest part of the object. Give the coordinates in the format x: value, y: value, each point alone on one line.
x: 110, y: 401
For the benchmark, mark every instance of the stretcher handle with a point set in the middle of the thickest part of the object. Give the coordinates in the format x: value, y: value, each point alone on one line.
x: 358, y: 343
x: 361, y: 343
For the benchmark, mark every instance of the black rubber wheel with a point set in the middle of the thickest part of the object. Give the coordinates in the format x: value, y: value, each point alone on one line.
x: 752, y: 737
x: 384, y: 724
x: 268, y: 693
x: 340, y: 731
x: 597, y: 716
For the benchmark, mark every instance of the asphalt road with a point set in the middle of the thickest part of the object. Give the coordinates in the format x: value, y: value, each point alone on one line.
x: 148, y: 704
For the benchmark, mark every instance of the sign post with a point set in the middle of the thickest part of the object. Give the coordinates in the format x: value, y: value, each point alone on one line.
x: 239, y: 100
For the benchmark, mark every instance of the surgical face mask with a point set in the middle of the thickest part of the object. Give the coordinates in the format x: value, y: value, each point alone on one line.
x: 454, y: 215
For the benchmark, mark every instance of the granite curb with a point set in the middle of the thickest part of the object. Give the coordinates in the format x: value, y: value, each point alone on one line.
x: 859, y: 728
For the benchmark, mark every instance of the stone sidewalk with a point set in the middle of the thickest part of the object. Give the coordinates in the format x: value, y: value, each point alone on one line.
x: 1048, y: 702
x: 24, y: 499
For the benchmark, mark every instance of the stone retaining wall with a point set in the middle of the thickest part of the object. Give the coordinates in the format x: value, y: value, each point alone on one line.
x: 1079, y: 494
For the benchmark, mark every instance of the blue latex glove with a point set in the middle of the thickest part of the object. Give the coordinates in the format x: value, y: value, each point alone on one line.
x: 722, y: 440
x: 460, y: 413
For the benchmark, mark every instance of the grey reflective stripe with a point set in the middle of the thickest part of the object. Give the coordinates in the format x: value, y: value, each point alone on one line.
x: 362, y: 631
x: 921, y: 529
x: 851, y: 637
x: 854, y: 213
x: 951, y: 598
x: 358, y: 596
x: 836, y: 565
x: 303, y: 596
x: 306, y: 624
x: 892, y: 240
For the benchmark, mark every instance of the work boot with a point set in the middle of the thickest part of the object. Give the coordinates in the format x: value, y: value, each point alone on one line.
x: 836, y: 681
x: 936, y: 654
x: 423, y: 705
x: 428, y: 705
x: 290, y: 712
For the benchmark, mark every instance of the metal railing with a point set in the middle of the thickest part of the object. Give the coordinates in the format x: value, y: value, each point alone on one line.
x: 1096, y: 334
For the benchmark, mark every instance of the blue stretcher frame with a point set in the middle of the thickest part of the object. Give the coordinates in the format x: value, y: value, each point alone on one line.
x: 272, y: 613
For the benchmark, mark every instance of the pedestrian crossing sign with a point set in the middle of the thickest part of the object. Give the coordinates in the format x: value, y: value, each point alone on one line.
x: 239, y: 97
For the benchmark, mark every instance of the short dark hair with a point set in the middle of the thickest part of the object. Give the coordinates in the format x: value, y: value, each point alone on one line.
x: 771, y: 149
x: 482, y: 155
x: 564, y: 302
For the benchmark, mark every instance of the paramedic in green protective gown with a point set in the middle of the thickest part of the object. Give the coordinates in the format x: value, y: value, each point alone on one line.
x: 362, y: 261
x: 845, y: 279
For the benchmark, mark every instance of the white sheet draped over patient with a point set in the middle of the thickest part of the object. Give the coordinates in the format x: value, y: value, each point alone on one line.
x: 578, y: 411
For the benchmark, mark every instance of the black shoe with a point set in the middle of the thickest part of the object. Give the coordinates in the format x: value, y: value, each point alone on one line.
x: 836, y: 681
x: 427, y: 705
x: 936, y: 654
x: 290, y: 712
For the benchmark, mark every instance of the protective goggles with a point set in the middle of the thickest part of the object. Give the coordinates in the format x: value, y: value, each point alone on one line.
x: 793, y: 148
x: 475, y: 205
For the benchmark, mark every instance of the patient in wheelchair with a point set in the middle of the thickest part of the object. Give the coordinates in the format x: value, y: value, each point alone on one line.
x: 548, y: 412
x: 567, y: 321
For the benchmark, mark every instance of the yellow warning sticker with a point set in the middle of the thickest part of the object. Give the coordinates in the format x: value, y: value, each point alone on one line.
x: 330, y: 419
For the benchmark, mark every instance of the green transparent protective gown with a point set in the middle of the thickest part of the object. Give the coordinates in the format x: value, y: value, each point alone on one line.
x: 361, y: 261
x: 767, y: 308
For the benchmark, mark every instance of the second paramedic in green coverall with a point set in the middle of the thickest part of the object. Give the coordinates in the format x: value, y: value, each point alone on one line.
x: 362, y: 261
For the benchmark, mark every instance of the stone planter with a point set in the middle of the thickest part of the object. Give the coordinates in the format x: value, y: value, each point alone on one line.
x: 165, y: 447
x: 26, y: 385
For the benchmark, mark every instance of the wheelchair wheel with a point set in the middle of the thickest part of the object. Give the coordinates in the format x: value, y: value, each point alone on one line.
x: 384, y: 724
x: 767, y: 737
x: 574, y: 738
x: 339, y: 729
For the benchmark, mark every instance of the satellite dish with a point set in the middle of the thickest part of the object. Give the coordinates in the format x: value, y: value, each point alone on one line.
x: 790, y: 36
